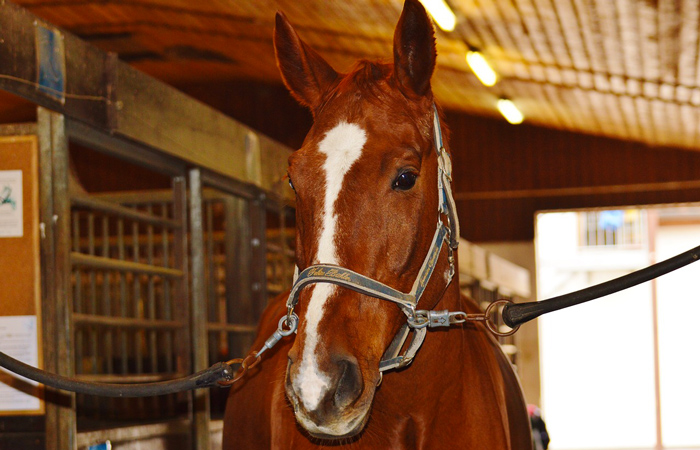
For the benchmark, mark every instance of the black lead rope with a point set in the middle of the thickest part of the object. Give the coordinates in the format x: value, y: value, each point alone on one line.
x: 515, y: 314
x: 206, y: 378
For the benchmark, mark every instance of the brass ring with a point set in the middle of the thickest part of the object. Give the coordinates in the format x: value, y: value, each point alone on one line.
x: 491, y: 325
x: 245, y: 365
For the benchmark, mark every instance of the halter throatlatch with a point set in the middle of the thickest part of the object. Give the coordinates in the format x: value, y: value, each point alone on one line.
x: 417, y: 321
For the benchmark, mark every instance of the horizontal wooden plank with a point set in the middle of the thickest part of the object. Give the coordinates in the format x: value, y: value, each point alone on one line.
x: 126, y: 322
x: 99, y: 262
x: 511, y: 279
x: 231, y: 327
x: 95, y: 204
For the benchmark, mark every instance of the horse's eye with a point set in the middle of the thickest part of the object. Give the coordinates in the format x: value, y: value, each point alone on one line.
x: 405, y: 181
x: 291, y: 185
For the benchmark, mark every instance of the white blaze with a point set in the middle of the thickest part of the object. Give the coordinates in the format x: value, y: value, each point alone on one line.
x: 342, y: 146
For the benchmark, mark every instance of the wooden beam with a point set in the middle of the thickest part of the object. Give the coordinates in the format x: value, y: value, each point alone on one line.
x: 110, y: 96
x: 577, y: 191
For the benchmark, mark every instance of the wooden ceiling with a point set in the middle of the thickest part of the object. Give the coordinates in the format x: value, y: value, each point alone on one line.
x: 625, y: 69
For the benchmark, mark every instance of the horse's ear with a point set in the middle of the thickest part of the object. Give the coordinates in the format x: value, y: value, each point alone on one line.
x: 414, y: 50
x: 305, y: 73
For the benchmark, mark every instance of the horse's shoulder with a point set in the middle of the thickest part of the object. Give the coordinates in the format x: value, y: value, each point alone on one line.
x: 252, y: 407
x: 506, y: 383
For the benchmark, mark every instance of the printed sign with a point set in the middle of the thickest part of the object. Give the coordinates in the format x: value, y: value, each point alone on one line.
x: 11, y: 206
x: 18, y: 338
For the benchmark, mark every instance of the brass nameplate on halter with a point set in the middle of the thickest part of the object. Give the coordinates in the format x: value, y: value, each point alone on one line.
x: 337, y: 274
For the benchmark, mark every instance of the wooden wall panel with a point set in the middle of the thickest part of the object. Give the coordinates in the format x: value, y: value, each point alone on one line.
x: 493, y: 157
x: 98, y: 172
x: 267, y: 108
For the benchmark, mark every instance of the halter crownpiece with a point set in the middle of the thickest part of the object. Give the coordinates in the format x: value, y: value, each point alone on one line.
x: 417, y: 320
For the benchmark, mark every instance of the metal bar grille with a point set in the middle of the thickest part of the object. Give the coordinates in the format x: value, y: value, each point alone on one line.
x: 124, y: 270
x: 130, y: 281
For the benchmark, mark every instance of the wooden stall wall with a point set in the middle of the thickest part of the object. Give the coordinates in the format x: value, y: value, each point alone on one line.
x: 491, y: 156
x: 268, y: 108
x: 506, y: 173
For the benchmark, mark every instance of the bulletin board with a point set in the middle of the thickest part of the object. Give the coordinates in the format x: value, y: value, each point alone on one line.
x: 20, y: 283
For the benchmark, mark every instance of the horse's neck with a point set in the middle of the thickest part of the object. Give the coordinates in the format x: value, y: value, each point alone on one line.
x: 452, y: 297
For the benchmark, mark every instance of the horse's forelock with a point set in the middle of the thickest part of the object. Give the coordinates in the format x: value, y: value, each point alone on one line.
x: 366, y: 74
x: 366, y: 80
x: 373, y: 82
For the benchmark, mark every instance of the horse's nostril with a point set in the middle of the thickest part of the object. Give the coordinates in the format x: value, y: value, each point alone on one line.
x: 349, y: 384
x: 293, y: 355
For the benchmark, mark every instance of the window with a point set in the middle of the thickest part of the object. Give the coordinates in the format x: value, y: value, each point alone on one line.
x: 612, y: 228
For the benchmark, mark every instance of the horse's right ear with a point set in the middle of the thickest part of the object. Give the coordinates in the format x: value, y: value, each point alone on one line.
x: 414, y: 50
x: 305, y: 73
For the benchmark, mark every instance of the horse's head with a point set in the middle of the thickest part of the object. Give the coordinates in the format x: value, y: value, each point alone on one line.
x: 366, y: 186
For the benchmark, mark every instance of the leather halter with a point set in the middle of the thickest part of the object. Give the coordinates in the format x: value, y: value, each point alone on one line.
x: 417, y: 320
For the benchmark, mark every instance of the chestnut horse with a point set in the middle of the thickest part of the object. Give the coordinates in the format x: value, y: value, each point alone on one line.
x: 370, y: 186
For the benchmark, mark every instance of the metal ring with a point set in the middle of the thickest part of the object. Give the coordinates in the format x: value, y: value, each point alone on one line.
x: 245, y: 365
x: 285, y: 320
x: 418, y: 320
x: 491, y: 325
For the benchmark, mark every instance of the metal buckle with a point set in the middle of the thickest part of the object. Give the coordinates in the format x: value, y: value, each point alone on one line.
x: 445, y: 163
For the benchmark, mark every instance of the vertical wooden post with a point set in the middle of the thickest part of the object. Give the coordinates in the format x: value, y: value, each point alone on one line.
x: 57, y: 301
x: 238, y: 272
x: 180, y: 302
x: 258, y: 227
x: 198, y: 310
x: 48, y: 283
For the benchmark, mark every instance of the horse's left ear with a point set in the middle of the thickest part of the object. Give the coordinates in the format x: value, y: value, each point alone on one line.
x: 414, y: 50
x: 305, y: 73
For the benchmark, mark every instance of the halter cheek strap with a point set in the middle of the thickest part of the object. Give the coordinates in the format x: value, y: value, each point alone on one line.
x: 446, y: 202
x: 417, y: 320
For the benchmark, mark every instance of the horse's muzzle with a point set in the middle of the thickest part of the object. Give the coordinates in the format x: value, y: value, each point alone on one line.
x: 332, y: 403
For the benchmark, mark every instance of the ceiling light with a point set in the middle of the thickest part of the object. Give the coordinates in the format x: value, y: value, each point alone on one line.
x: 481, y: 68
x: 441, y: 12
x: 511, y: 113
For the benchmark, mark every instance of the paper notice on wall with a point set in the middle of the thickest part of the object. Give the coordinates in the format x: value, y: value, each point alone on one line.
x: 18, y: 339
x: 11, y: 220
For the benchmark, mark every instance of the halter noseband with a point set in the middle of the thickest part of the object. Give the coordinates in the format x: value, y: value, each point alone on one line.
x: 417, y: 320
